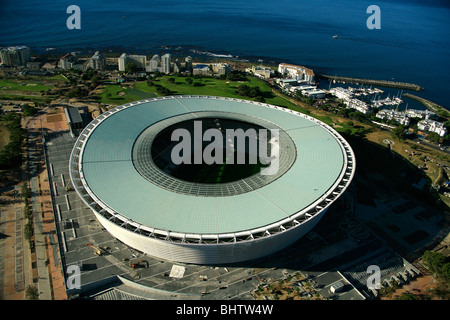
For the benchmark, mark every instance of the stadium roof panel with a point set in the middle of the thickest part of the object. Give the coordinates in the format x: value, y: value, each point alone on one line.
x: 110, y: 176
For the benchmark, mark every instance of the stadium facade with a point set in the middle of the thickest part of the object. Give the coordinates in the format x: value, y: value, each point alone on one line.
x: 137, y: 198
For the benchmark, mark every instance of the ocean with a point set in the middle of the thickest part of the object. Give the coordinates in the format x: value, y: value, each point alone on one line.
x: 412, y: 45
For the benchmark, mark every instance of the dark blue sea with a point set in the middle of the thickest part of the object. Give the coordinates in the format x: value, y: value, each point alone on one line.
x: 413, y: 44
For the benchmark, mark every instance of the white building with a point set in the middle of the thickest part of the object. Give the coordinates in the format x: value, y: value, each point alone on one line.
x: 165, y: 63
x: 15, y: 56
x: 287, y: 83
x: 357, y: 105
x: 314, y: 94
x: 139, y: 60
x: 341, y: 93
x: 260, y: 71
x: 400, y: 117
x: 97, y: 61
x: 349, y: 101
x: 188, y: 63
x: 67, y: 61
x: 301, y: 88
x: 296, y: 72
x: 432, y: 126
x: 154, y: 64
x: 202, y: 69
x: 422, y: 114
x: 220, y: 68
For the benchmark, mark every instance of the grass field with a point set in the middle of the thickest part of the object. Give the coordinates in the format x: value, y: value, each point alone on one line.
x: 4, y: 136
x: 121, y: 94
x: 204, y: 86
x: 30, y: 86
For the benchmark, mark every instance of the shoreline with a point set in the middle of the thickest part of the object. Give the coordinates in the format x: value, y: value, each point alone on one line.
x: 204, y: 56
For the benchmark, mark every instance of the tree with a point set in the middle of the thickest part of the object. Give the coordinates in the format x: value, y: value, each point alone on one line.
x: 31, y: 293
x: 236, y: 76
x: 29, y: 110
x: 447, y: 125
x: 247, y: 91
x: 434, y: 261
x: 408, y: 296
x: 28, y: 231
x: 344, y: 112
x: 434, y: 137
x: 11, y: 154
x: 189, y: 81
x: 254, y: 92
x: 131, y: 67
x: 399, y: 132
x: 243, y: 90
x: 163, y: 90
x: 260, y: 99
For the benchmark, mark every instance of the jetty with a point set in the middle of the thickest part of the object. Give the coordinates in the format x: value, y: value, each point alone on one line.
x: 381, y: 83
x: 430, y: 105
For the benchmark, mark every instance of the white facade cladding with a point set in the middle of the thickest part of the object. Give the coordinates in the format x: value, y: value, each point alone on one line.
x: 207, y: 229
x: 231, y: 250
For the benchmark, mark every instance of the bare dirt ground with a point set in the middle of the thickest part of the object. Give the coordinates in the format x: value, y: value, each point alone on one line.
x: 17, y: 263
x: 418, y: 287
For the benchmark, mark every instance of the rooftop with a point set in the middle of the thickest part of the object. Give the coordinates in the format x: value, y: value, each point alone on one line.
x: 322, y: 160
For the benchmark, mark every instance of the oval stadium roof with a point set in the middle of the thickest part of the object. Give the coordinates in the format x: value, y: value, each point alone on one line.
x: 108, y: 175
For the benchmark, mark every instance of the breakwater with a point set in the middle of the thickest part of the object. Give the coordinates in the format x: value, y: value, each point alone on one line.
x: 381, y: 83
x: 430, y: 105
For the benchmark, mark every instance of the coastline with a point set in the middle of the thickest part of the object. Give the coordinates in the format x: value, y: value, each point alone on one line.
x: 204, y: 55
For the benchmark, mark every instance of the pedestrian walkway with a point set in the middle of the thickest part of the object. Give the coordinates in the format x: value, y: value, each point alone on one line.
x: 50, y: 281
x: 43, y: 281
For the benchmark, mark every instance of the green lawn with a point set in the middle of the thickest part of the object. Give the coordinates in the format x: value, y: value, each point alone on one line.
x: 32, y: 86
x: 112, y: 94
x: 214, y: 87
x: 205, y: 86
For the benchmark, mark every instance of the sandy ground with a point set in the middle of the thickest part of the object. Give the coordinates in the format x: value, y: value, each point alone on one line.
x: 17, y: 269
x: 417, y: 287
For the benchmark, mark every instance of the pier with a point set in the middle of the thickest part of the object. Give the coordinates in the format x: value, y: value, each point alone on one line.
x: 381, y: 83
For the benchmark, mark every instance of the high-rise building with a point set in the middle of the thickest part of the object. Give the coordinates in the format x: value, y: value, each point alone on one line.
x: 176, y: 66
x: 188, y: 63
x: 139, y: 60
x: 155, y: 64
x: 67, y: 61
x: 98, y: 61
x: 15, y: 56
x: 165, y: 63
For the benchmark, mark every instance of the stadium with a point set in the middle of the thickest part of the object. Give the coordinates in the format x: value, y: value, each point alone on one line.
x: 120, y: 167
